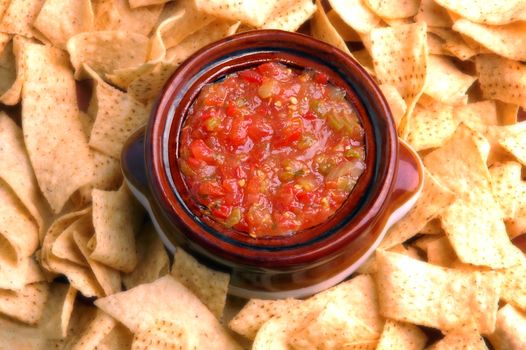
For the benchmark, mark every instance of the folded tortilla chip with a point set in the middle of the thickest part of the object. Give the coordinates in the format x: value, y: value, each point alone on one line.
x: 356, y: 14
x: 424, y: 294
x: 14, y: 275
x: 7, y: 66
x: 99, y: 327
x: 10, y: 95
x: 454, y: 44
x: 434, y: 198
x: 58, y: 310
x: 502, y: 79
x: 487, y: 11
x: 445, y: 82
x: 396, y: 102
x: 208, y: 285
x: 399, y: 335
x: 59, y: 20
x: 322, y: 29
x: 433, y: 14
x: 26, y: 305
x: 345, y: 31
x: 459, y: 341
x: 19, y: 16
x: 120, y: 338
x: 153, y: 259
x: 389, y: 9
x: 508, y: 188
x: 117, y: 217
x: 511, y: 138
x: 118, y: 15
x: 56, y: 143
x: 510, y: 332
x: 514, y: 285
x: 167, y: 300
x: 251, y: 12
x: 64, y: 246
x: 289, y: 14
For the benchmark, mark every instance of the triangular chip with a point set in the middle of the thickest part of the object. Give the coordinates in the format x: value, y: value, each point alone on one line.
x: 356, y: 14
x: 58, y: 310
x: 396, y: 102
x: 514, y: 285
x: 289, y: 14
x: 478, y: 115
x: 394, y: 8
x: 251, y: 12
x: 27, y: 305
x: 486, y: 11
x: 120, y: 338
x: 322, y: 29
x: 439, y: 252
x: 149, y: 85
x: 118, y: 15
x: 64, y: 246
x: 94, y: 333
x: 508, y: 188
x: 167, y: 300
x: 400, y: 335
x: 433, y: 14
x: 511, y: 138
x: 19, y: 16
x: 510, y: 332
x: 461, y: 340
x: 345, y: 31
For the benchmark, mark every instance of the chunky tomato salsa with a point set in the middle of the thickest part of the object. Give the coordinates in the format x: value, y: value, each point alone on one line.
x: 271, y: 150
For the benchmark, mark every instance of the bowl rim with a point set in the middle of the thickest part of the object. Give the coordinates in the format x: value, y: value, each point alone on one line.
x: 160, y: 130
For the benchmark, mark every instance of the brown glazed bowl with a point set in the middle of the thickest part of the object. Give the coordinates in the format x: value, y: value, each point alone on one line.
x: 310, y: 260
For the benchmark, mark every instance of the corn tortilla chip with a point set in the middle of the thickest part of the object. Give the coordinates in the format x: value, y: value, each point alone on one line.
x: 502, y: 79
x: 59, y: 20
x: 118, y: 116
x: 58, y: 311
x: 153, y: 259
x: 11, y: 96
x: 511, y: 138
x: 514, y: 285
x: 399, y: 335
x: 120, y: 338
x: 396, y: 102
x: 356, y: 14
x: 167, y: 300
x: 19, y: 16
x: 322, y: 29
x: 117, y: 217
x: 251, y: 12
x: 289, y: 14
x: 445, y: 82
x: 64, y: 247
x: 486, y: 11
x: 118, y: 15
x: 345, y: 31
x: 459, y: 341
x: 140, y: 3
x: 478, y: 115
x: 256, y: 312
x: 507, y: 113
x: 26, y: 305
x: 439, y: 252
x: 208, y: 285
x: 435, y: 45
x: 424, y: 294
x: 433, y: 14
x: 434, y: 198
x: 7, y: 67
x: 93, y: 334
x: 454, y: 43
x: 508, y: 188
x: 148, y: 86
x: 393, y: 9
x: 14, y: 275
x: 61, y: 159
x: 510, y: 332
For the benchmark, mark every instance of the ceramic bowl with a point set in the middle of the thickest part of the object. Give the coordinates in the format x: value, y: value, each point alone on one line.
x: 274, y: 267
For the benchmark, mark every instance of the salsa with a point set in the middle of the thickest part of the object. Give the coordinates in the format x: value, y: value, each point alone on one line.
x: 271, y: 150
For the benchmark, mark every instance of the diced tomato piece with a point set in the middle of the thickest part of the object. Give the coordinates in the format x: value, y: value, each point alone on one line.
x: 221, y: 212
x: 211, y: 189
x: 201, y: 151
x: 291, y: 133
x: 251, y: 76
x: 232, y: 110
x: 238, y: 132
x: 310, y: 116
x: 258, y: 129
x: 240, y: 173
x: 305, y: 197
x: 321, y: 78
x: 194, y: 163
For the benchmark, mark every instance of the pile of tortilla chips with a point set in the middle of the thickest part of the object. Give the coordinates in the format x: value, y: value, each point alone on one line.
x: 82, y: 268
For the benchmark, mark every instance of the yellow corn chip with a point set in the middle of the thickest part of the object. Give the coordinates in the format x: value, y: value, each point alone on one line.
x: 19, y: 16
x: 59, y: 20
x: 445, y: 82
x: 396, y: 102
x: 26, y: 305
x: 356, y: 14
x: 433, y: 227
x: 55, y: 141
x: 251, y: 12
x: 460, y: 341
x: 454, y: 44
x: 508, y: 188
x: 167, y: 300
x: 434, y: 198
x: 149, y: 85
x: 256, y: 312
x: 399, y: 335
x: 510, y: 332
x: 514, y: 285
x: 117, y: 217
x: 388, y: 9
x: 511, y: 138
x: 400, y: 59
x: 106, y: 51
x: 118, y: 15
x: 164, y: 334
x: 478, y: 115
x: 486, y: 11
x: 208, y: 285
x: 435, y: 45
x: 140, y: 3
x: 345, y: 31
x: 431, y: 126
x: 502, y: 79
x: 7, y: 67
x: 439, y: 252
x: 93, y: 334
x: 120, y: 338
x: 433, y: 14
x: 424, y: 294
x: 10, y: 95
x: 322, y: 29
x: 289, y: 14
x: 64, y: 246
x: 58, y: 310
x: 153, y: 259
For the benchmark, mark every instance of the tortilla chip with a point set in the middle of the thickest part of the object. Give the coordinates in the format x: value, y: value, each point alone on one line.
x: 478, y: 115
x: 345, y: 31
x: 511, y: 138
x: 167, y: 300
x: 58, y: 310
x: 439, y: 252
x: 395, y: 101
x: 433, y: 227
x: 435, y: 45
x: 7, y: 66
x: 356, y: 14
x: 322, y: 29
x: 120, y: 338
x: 460, y: 341
x: 93, y: 334
x: 454, y: 44
x: 26, y: 305
x: 61, y: 158
x: 428, y: 295
x: 108, y: 278
x: 106, y: 51
x: 433, y: 14
x: 256, y: 312
x: 19, y: 16
x: 208, y: 285
x: 289, y: 14
x: 486, y: 11
x: 502, y: 79
x: 118, y: 15
x: 118, y: 116
x: 434, y: 198
x: 250, y: 12
x: 59, y: 20
x: 400, y: 59
x: 11, y: 95
x: 393, y: 9
x: 16, y: 335
x: 431, y: 126
x: 508, y: 188
x: 117, y: 217
x: 64, y: 246
x: 399, y: 335
x: 13, y: 274
x: 140, y: 3
x: 153, y: 259
x: 473, y: 223
x: 514, y: 285
x: 212, y: 32
x: 510, y: 332
x: 445, y: 82
x: 149, y: 85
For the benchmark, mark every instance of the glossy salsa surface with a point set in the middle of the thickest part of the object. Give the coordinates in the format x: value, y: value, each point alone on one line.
x: 271, y: 150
